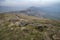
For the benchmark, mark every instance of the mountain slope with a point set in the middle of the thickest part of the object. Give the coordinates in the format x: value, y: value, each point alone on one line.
x: 18, y: 26
x: 51, y: 11
x: 45, y: 12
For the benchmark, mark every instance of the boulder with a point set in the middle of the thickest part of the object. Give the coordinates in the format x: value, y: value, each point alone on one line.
x: 22, y: 23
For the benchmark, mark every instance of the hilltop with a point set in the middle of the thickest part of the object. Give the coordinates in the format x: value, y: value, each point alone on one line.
x: 20, y: 26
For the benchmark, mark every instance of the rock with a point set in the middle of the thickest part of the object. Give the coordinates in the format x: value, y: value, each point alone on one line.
x: 11, y: 25
x: 39, y: 27
x: 21, y: 19
x: 55, y: 37
x: 12, y: 28
x: 26, y: 30
x: 45, y: 26
x: 22, y: 23
x: 22, y: 28
x: 13, y: 20
x: 17, y: 24
x: 35, y: 24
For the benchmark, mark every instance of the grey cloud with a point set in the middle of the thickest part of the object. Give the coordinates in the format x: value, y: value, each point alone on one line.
x: 2, y: 0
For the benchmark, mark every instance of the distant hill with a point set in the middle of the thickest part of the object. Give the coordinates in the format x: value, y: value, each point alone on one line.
x: 51, y: 11
x: 9, y: 9
x: 5, y: 9
x: 47, y: 12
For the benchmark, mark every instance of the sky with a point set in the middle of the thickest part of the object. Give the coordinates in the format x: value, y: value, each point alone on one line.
x: 27, y: 2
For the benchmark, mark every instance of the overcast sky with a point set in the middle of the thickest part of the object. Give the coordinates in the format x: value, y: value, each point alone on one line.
x: 27, y: 2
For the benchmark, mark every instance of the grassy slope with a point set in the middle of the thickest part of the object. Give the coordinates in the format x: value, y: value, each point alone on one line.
x: 32, y: 28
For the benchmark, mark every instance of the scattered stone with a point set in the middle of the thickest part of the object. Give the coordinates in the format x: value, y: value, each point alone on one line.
x: 11, y: 25
x: 22, y: 28
x: 12, y: 28
x: 23, y: 23
x: 40, y: 28
x: 26, y: 30
x: 55, y: 37
x: 21, y: 19
x: 13, y: 20
x: 45, y: 26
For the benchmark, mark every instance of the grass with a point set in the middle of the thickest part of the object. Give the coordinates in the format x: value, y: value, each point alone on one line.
x: 29, y: 31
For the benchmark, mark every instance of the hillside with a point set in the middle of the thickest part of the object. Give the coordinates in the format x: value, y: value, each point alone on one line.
x: 51, y: 11
x: 44, y: 12
x: 20, y: 26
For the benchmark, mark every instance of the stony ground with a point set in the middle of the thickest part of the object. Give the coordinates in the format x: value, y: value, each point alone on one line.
x: 24, y: 27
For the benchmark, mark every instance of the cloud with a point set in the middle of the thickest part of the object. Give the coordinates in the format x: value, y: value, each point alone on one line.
x: 18, y: 2
x: 26, y: 2
x: 2, y: 0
